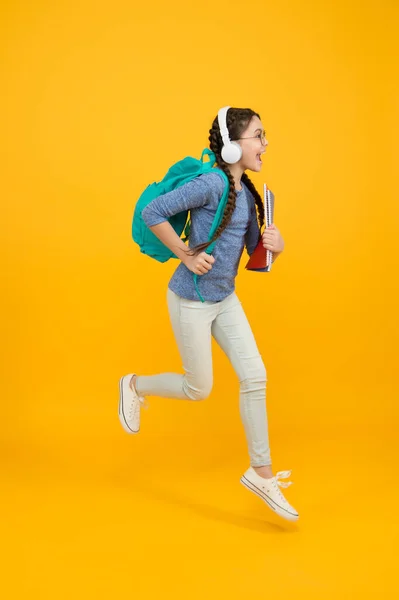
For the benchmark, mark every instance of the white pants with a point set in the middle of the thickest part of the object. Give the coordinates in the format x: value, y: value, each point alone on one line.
x: 193, y: 324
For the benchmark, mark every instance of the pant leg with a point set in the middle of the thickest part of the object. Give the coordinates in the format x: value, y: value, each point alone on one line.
x: 233, y: 333
x: 191, y: 322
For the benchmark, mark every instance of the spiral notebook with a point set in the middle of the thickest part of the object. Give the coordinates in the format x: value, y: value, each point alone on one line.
x: 261, y: 259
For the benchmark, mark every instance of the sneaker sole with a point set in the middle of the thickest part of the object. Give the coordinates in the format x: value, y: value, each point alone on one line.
x: 122, y: 418
x: 270, y: 503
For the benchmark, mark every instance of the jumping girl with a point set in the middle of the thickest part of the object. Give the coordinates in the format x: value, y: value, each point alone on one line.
x: 238, y: 140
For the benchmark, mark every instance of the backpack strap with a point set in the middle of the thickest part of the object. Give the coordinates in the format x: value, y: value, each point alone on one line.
x: 219, y: 212
x: 206, y: 168
x: 212, y: 159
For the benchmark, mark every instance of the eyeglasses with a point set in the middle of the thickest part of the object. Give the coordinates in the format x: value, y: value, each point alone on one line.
x: 260, y: 136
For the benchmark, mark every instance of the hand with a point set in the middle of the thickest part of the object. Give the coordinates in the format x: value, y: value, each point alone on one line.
x: 200, y: 263
x: 272, y: 240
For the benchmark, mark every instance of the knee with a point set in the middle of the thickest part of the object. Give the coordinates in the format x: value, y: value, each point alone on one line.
x: 256, y: 378
x: 198, y: 391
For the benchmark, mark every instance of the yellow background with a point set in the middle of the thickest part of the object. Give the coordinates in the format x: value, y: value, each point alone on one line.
x: 98, y: 99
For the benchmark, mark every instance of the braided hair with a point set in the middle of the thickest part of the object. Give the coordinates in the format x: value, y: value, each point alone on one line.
x: 237, y: 121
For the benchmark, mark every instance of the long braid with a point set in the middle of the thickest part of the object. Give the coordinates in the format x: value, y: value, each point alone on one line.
x: 237, y: 121
x: 215, y: 145
x: 258, y: 200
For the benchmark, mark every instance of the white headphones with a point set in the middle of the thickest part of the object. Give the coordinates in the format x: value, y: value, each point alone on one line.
x: 231, y: 151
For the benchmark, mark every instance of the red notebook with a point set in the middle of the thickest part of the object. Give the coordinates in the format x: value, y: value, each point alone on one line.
x: 261, y: 259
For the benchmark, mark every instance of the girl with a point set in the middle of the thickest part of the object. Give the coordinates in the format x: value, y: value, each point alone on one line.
x: 238, y: 140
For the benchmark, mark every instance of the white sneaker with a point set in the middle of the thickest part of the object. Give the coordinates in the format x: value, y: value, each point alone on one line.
x: 129, y: 405
x: 269, y: 491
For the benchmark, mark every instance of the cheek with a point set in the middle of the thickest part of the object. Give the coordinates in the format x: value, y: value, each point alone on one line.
x: 248, y: 153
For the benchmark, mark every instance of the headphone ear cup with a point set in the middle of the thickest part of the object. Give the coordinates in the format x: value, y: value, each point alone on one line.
x: 231, y: 153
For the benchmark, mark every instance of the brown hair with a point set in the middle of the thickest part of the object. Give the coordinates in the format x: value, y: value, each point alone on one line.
x: 237, y: 121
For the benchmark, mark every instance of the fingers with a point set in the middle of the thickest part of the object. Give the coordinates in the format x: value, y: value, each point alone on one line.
x: 268, y: 241
x: 202, y: 269
x: 204, y: 263
x: 271, y: 238
x: 207, y: 257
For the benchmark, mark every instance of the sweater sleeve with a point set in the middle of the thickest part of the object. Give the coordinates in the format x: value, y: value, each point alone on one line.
x: 253, y: 234
x: 193, y: 194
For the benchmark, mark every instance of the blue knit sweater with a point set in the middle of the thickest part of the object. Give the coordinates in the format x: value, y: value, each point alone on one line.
x: 201, y: 196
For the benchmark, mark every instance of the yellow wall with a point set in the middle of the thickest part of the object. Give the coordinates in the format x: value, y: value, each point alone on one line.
x: 98, y: 103
x: 98, y: 99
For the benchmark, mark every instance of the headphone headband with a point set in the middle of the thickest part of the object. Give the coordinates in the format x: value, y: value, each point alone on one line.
x: 231, y: 152
x: 222, y: 118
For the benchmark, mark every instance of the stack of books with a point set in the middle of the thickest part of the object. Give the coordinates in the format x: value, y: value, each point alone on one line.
x: 261, y: 259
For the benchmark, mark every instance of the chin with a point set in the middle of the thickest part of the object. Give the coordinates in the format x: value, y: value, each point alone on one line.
x: 254, y: 169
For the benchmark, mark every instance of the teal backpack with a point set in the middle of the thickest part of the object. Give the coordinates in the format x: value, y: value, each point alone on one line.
x: 180, y: 173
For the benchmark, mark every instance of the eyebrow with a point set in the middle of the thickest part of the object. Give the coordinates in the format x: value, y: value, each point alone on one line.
x: 259, y: 130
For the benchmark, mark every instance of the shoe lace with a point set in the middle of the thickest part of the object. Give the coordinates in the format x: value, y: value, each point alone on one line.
x: 283, y: 475
x: 277, y: 483
x: 134, y: 407
x: 144, y: 402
